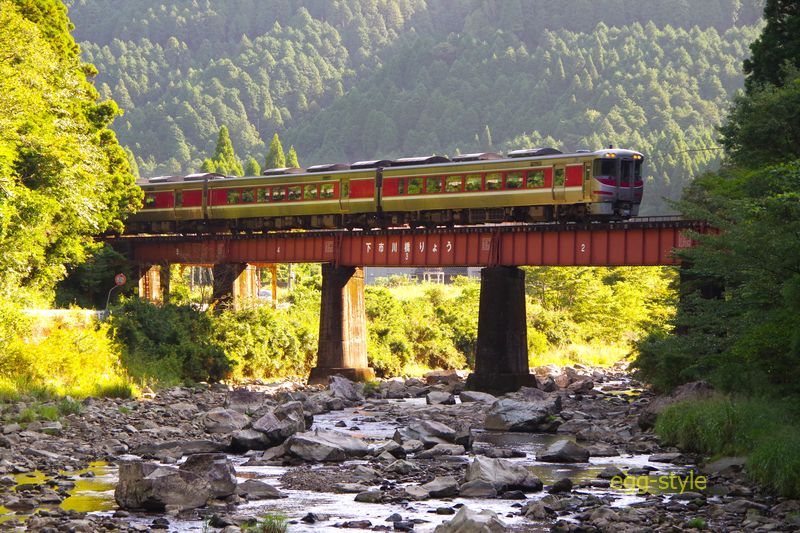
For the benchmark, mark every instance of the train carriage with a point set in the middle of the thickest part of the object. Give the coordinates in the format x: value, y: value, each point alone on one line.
x: 523, y: 186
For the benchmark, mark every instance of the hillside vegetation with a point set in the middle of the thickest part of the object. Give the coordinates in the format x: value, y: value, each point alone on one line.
x: 360, y: 79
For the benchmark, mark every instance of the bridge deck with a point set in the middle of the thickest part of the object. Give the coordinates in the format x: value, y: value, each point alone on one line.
x: 636, y: 242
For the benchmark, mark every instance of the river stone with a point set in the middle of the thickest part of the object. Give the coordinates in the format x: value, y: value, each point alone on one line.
x: 250, y: 439
x: 468, y: 521
x: 401, y: 467
x: 417, y: 493
x: 258, y: 490
x: 442, y: 449
x: 347, y: 390
x: 562, y: 485
x: 442, y: 487
x: 529, y: 416
x: 429, y: 432
x: 391, y: 447
x: 245, y: 401
x: 503, y: 475
x: 221, y: 420
x: 581, y: 385
x: 477, y: 488
x: 440, y: 398
x: 294, y: 411
x: 475, y: 396
x: 610, y: 472
x: 176, y: 449
x: 158, y: 488
x: 322, y: 445
x: 564, y: 451
x: 370, y: 496
x: 216, y: 468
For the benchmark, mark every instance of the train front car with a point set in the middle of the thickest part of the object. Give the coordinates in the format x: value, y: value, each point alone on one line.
x: 618, y: 184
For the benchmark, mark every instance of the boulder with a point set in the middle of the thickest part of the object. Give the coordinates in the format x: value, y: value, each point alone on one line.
x: 564, y: 451
x: 477, y: 488
x: 246, y: 401
x: 440, y: 398
x: 467, y: 521
x: 346, y: 390
x: 581, y: 385
x: 250, y: 439
x: 442, y: 449
x: 221, y: 420
x: 562, y: 485
x: 370, y: 496
x: 546, y: 384
x: 475, y: 396
x: 151, y: 487
x: 695, y: 390
x: 502, y: 474
x: 321, y: 445
x: 394, y: 389
x: 294, y: 411
x: 442, y: 487
x: 175, y: 449
x: 444, y: 377
x: 428, y: 432
x: 258, y: 490
x: 216, y: 468
x: 529, y: 416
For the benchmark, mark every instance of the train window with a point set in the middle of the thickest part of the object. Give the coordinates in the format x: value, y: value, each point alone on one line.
x: 178, y: 198
x: 150, y: 200
x: 605, y: 167
x: 414, y: 185
x: 401, y: 186
x: 233, y: 196
x: 535, y: 178
x: 295, y: 192
x: 453, y: 184
x: 473, y: 182
x: 248, y: 195
x: 514, y: 180
x: 494, y: 181
x: 627, y: 172
x: 263, y: 195
x: 637, y: 170
x: 326, y: 191
x: 558, y: 177
x: 434, y: 185
x: 587, y: 172
x: 278, y: 193
x: 310, y: 192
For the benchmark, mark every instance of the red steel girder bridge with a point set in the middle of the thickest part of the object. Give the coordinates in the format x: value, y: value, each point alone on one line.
x: 636, y: 242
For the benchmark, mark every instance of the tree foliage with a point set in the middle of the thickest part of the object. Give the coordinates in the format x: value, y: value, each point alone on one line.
x: 63, y: 176
x: 225, y: 160
x: 275, y: 156
x: 776, y: 52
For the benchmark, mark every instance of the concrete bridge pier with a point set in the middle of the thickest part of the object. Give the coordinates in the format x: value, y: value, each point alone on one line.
x: 154, y: 282
x: 342, y: 326
x: 233, y: 283
x: 501, y: 358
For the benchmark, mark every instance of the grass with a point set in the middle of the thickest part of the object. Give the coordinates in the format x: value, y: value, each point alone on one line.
x: 764, y: 429
x: 593, y: 355
x: 696, y: 523
x: 269, y: 523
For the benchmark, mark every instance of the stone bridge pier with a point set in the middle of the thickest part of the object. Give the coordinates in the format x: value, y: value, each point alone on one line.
x: 501, y: 357
x: 342, y: 326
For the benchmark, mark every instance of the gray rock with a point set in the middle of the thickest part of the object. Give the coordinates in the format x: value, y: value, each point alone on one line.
x: 562, y: 485
x: 321, y: 445
x: 444, y: 377
x: 250, y: 439
x: 151, y: 487
x: 475, y: 396
x: 442, y: 449
x: 429, y: 432
x: 564, y: 451
x: 401, y: 467
x: 417, y: 493
x: 412, y: 446
x: 512, y: 415
x: 346, y: 390
x: 246, y: 401
x: 581, y: 385
x: 258, y: 490
x: 467, y: 521
x: 477, y: 489
x: 546, y: 384
x: 610, y: 472
x: 221, y: 420
x: 370, y: 496
x: 502, y: 474
x: 440, y: 398
x: 216, y: 468
x: 391, y: 447
x: 442, y: 487
x: 177, y: 448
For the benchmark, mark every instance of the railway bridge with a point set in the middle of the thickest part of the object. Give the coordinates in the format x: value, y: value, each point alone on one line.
x: 501, y: 361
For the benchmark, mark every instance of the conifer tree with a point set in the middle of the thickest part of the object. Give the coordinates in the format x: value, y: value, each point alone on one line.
x: 291, y: 159
x: 224, y: 157
x: 209, y: 166
x: 252, y: 168
x: 275, y: 155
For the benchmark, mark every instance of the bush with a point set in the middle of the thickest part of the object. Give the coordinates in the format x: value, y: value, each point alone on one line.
x: 763, y: 429
x: 168, y: 344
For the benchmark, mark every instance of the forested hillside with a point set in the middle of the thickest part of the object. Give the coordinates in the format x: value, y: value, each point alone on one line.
x: 357, y: 79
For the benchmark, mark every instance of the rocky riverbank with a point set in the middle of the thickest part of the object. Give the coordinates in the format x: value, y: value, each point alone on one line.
x: 573, y: 454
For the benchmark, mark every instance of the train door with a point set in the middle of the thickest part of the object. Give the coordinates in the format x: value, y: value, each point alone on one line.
x: 559, y: 183
x: 344, y: 194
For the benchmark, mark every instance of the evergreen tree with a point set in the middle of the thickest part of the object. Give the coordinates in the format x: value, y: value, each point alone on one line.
x: 778, y: 45
x: 225, y: 159
x: 252, y: 168
x: 208, y: 166
x: 291, y: 159
x: 275, y: 156
x: 132, y: 162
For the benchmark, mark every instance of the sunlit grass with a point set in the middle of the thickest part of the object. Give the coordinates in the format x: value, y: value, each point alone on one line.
x: 593, y: 355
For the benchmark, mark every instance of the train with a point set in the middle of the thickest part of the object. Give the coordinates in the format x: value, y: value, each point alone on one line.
x: 523, y: 186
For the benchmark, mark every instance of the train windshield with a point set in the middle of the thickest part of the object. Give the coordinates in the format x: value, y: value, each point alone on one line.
x: 637, y: 170
x: 605, y: 167
x: 627, y: 172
